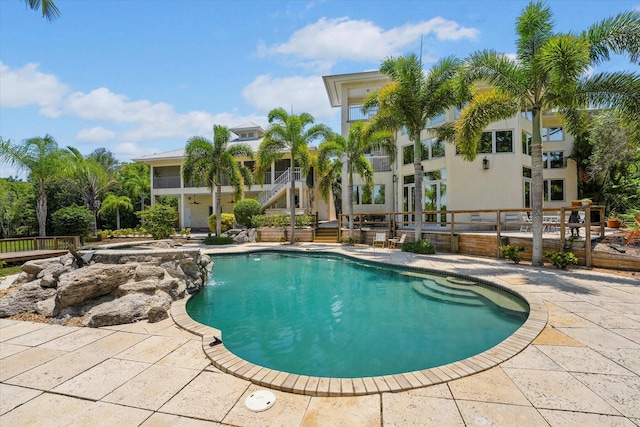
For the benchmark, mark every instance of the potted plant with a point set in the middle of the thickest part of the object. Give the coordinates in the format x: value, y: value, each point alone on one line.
x: 586, y: 202
x: 613, y: 221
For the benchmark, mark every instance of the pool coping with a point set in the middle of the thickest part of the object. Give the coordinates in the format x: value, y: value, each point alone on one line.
x: 229, y: 363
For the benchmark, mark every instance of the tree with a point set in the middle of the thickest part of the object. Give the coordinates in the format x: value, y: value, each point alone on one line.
x: 159, y: 220
x: 136, y: 179
x: 42, y: 159
x: 410, y: 100
x: 360, y: 141
x: 116, y: 203
x: 289, y: 133
x: 208, y: 162
x: 330, y: 182
x: 72, y: 221
x: 91, y: 179
x: 551, y: 71
x: 106, y: 159
x: 48, y: 7
x: 17, y: 208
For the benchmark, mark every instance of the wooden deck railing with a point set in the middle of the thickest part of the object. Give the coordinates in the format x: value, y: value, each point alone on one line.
x: 25, y: 248
x: 482, y: 220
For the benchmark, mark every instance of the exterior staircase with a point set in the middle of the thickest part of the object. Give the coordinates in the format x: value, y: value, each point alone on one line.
x: 326, y: 235
x: 278, y: 187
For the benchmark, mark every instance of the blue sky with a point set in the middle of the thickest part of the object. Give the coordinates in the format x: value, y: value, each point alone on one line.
x: 140, y: 76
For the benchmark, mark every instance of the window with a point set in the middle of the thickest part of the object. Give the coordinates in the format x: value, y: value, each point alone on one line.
x: 436, y: 147
x: 435, y: 120
x: 363, y: 197
x: 526, y: 143
x: 504, y: 141
x: 500, y: 141
x: 404, y: 130
x: 553, y: 160
x: 407, y: 153
x: 526, y: 172
x: 553, y: 134
x: 553, y: 190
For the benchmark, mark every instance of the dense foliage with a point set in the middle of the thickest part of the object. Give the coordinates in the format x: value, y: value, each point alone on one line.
x: 215, y: 240
x: 423, y: 247
x: 159, y: 221
x: 245, y: 209
x: 72, y: 221
x: 226, y: 222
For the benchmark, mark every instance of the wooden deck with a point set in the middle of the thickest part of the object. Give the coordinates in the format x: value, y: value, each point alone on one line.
x: 28, y: 248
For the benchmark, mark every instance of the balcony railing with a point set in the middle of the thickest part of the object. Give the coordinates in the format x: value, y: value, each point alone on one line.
x: 355, y: 113
x: 166, y: 182
x: 379, y: 163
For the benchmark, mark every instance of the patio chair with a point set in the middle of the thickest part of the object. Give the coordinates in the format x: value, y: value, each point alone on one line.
x: 380, y: 239
x: 393, y: 242
x: 526, y: 221
x: 634, y: 230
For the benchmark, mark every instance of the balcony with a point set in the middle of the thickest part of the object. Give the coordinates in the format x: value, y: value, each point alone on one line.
x: 166, y: 181
x: 355, y: 113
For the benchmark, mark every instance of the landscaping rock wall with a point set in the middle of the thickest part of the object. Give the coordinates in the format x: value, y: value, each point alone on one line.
x: 114, y: 287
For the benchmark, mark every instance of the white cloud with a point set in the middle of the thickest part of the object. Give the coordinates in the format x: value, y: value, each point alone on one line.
x: 95, y: 134
x: 302, y: 93
x: 329, y: 40
x: 21, y: 87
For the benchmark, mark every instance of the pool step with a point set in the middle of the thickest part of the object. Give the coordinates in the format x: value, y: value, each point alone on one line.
x: 439, y: 296
x: 439, y: 287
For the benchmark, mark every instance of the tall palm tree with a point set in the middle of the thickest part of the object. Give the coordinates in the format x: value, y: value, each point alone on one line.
x: 289, y: 133
x: 91, y: 179
x: 42, y: 160
x: 207, y: 162
x: 551, y: 71
x: 105, y: 158
x: 410, y: 100
x: 361, y: 140
x: 48, y: 7
x: 113, y: 202
x: 330, y: 182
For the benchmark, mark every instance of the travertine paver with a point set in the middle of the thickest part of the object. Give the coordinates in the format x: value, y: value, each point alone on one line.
x: 76, y: 339
x: 492, y: 385
x: 209, y: 396
x: 558, y: 391
x: 583, y: 359
x: 102, y: 379
x: 13, y: 396
x: 579, y: 419
x: 403, y: 411
x: 288, y: 410
x: 168, y: 420
x: 153, y: 387
x: 583, y: 370
x: 499, y: 415
x: 344, y: 411
x: 152, y: 349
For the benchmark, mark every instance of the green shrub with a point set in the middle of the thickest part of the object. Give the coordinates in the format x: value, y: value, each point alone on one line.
x: 103, y: 234
x: 303, y: 220
x: 561, y: 259
x: 72, y: 221
x: 349, y: 241
x: 215, y: 240
x: 423, y: 247
x: 245, y: 209
x: 159, y: 221
x: 226, y: 222
x: 512, y: 252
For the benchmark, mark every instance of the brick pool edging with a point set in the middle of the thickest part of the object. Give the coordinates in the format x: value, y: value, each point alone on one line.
x: 227, y: 362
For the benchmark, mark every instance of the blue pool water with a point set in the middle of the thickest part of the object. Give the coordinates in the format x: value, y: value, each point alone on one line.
x: 328, y: 316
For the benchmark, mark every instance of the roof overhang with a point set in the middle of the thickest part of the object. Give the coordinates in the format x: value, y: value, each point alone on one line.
x: 333, y: 84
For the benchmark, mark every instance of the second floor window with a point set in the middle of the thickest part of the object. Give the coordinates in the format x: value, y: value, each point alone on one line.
x: 553, y: 160
x: 498, y: 141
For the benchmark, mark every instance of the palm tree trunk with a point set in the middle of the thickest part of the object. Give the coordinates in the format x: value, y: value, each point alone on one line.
x: 417, y: 162
x: 350, y: 200
x: 292, y: 201
x: 41, y: 212
x: 117, y: 219
x: 537, y: 192
x: 218, y: 210
x: 142, y: 202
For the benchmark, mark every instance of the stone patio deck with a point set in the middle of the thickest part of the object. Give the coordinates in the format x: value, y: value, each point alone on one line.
x: 582, y: 370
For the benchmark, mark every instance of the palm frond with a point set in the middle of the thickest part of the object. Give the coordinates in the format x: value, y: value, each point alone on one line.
x: 534, y: 26
x: 617, y: 35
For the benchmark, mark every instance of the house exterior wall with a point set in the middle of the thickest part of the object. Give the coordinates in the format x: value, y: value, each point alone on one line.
x: 467, y: 185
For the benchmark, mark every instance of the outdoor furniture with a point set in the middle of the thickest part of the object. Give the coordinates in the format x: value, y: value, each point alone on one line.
x: 550, y: 223
x: 395, y: 241
x: 635, y: 231
x: 380, y: 239
x: 574, y: 221
x: 510, y: 217
x: 475, y: 218
x: 525, y: 220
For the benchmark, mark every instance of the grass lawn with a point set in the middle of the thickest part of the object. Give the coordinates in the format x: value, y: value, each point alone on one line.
x: 6, y: 271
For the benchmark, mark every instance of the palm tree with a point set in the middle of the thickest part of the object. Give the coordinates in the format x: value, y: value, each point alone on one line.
x: 91, y: 179
x: 42, y: 159
x: 113, y: 202
x: 410, y: 100
x: 49, y: 9
x: 551, y: 71
x: 105, y: 158
x: 293, y: 133
x: 360, y: 141
x: 207, y: 161
x: 330, y: 182
x: 136, y: 180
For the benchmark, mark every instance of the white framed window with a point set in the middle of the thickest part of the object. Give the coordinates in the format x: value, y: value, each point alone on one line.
x: 497, y: 141
x: 553, y: 160
x: 554, y: 190
x: 363, y: 197
x: 526, y: 143
x: 555, y: 133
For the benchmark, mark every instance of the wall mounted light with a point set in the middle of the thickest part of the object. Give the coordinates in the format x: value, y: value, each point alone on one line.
x: 395, y: 178
x: 485, y: 164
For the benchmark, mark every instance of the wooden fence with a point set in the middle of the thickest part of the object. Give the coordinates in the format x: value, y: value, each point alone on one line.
x: 26, y: 248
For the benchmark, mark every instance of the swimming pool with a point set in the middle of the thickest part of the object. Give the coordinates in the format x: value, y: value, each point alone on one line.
x: 329, y: 316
